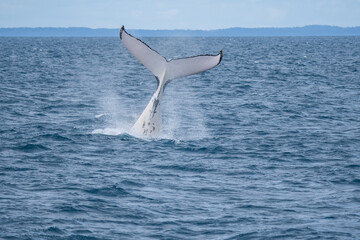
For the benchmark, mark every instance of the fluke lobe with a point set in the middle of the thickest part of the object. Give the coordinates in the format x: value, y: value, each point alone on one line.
x: 149, y: 122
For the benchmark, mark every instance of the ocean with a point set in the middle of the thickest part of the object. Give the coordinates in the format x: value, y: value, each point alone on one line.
x: 264, y: 146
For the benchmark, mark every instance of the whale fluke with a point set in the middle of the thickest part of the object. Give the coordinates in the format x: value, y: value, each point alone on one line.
x: 149, y: 122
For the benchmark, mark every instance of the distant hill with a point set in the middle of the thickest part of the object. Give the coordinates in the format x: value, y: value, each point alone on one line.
x: 313, y: 30
x: 59, y: 32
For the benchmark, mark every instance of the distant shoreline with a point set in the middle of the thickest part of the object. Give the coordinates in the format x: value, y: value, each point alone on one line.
x: 312, y: 30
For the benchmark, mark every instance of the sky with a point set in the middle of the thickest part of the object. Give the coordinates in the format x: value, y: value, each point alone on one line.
x: 178, y: 14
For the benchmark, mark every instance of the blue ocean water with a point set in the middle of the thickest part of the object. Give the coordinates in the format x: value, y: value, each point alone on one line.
x: 264, y: 146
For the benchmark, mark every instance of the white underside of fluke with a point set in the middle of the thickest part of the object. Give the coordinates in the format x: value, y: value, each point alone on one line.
x: 149, y: 122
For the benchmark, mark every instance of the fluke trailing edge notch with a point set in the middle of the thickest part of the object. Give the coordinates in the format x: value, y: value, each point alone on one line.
x: 149, y: 123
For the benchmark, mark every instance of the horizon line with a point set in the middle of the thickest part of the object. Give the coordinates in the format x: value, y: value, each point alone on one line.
x: 184, y: 29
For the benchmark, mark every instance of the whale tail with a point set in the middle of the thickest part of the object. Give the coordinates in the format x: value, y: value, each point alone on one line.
x: 162, y: 68
x: 149, y: 122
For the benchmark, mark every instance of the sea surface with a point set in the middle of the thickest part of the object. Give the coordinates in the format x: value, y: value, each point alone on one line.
x: 264, y: 146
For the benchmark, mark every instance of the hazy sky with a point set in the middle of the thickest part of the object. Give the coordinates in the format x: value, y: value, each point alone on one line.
x: 178, y: 14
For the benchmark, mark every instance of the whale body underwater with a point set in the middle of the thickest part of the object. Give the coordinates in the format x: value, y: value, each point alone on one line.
x: 149, y: 122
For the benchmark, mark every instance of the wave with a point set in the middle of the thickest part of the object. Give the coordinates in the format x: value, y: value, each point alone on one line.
x: 113, y: 191
x: 30, y: 148
x: 56, y: 137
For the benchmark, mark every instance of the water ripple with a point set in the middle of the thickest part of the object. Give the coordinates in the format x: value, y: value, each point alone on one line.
x: 264, y: 146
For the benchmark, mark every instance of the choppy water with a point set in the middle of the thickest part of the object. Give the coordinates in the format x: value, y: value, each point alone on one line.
x: 265, y: 145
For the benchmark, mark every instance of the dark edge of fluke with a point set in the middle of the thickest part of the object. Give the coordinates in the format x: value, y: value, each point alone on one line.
x: 121, y: 30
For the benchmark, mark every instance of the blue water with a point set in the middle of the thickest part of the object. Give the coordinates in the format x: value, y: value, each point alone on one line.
x: 264, y: 146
